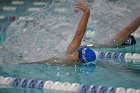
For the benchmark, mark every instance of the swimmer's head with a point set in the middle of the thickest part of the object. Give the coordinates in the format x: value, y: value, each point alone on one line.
x: 86, y: 55
x: 130, y: 41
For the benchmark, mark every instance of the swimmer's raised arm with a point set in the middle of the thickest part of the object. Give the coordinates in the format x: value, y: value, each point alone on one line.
x: 128, y: 30
x: 72, y: 56
x: 73, y: 48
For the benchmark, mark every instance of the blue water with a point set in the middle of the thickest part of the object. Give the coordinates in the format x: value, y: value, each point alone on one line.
x: 114, y: 73
x: 106, y: 73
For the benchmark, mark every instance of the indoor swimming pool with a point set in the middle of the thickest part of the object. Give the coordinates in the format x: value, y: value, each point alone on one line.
x: 26, y: 37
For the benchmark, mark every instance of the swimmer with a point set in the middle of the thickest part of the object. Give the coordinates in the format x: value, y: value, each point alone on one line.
x: 76, y: 54
x: 121, y: 38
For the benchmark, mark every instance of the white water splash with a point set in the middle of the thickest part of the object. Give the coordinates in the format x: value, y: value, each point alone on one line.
x: 52, y: 29
x: 110, y: 16
x: 42, y: 38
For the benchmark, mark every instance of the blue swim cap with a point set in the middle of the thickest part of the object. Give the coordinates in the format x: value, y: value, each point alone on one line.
x: 86, y: 55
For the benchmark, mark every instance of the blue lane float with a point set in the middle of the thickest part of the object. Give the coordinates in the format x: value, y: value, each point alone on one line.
x: 62, y: 86
x: 110, y: 55
x: 117, y: 56
x: 28, y: 83
x: 23, y: 9
x: 19, y: 9
x: 22, y: 2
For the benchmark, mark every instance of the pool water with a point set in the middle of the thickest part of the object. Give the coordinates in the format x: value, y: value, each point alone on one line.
x: 107, y: 73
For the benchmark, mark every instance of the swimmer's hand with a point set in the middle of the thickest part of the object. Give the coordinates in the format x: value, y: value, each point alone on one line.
x: 83, y: 6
